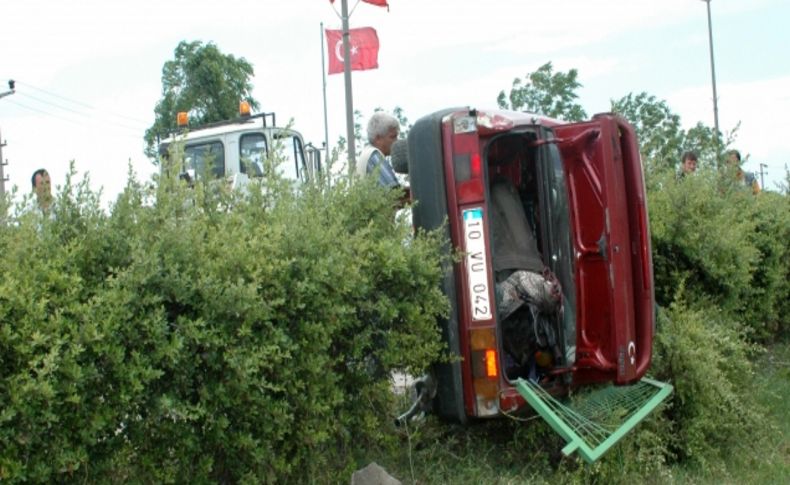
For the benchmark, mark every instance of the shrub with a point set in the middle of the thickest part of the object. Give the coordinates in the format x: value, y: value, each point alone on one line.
x: 203, y: 335
x: 768, y: 297
x: 727, y: 245
x: 705, y: 356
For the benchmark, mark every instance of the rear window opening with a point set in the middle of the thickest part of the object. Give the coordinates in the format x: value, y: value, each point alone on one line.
x: 529, y: 292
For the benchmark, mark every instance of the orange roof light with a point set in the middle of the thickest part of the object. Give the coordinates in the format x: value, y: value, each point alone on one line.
x: 244, y: 108
x: 182, y: 119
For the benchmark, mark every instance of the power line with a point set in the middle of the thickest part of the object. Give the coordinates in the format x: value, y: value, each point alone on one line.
x: 41, y: 111
x: 69, y: 120
x: 86, y: 105
x: 55, y: 95
x: 81, y: 113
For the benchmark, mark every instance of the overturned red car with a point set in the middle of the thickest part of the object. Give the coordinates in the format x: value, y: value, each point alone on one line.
x: 555, y: 283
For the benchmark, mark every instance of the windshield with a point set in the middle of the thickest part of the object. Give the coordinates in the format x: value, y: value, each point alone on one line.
x: 206, y: 158
x: 558, y: 235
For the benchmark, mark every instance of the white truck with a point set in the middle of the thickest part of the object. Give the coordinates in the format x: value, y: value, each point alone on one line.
x: 238, y: 148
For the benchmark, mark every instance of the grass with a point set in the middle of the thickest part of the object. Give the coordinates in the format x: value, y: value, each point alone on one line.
x: 509, y: 452
x: 770, y: 461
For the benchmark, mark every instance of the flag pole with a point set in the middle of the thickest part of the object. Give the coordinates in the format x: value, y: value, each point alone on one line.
x: 349, y: 100
x: 323, y: 78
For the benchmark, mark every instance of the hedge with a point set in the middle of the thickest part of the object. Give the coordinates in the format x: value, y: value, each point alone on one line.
x: 203, y: 335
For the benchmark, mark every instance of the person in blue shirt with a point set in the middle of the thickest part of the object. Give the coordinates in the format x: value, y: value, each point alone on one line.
x: 383, y: 130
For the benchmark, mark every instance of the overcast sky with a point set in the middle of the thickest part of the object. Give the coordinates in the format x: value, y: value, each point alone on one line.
x: 89, y: 72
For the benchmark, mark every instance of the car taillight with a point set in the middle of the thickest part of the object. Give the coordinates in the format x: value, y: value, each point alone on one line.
x: 491, y: 363
x: 485, y: 370
x: 476, y: 168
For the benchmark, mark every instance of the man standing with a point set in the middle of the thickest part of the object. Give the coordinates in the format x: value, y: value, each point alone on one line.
x: 42, y: 188
x: 382, y: 132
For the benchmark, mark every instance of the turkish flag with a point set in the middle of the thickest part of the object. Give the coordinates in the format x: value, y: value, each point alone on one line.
x: 364, y: 44
x: 379, y: 3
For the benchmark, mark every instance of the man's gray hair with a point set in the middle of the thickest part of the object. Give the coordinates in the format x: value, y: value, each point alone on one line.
x: 380, y: 124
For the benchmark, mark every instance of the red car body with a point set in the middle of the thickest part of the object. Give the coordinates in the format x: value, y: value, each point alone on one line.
x: 581, y: 187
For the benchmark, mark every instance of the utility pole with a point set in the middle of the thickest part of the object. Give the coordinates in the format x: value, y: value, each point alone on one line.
x: 3, y: 163
x: 762, y: 181
x: 713, y: 73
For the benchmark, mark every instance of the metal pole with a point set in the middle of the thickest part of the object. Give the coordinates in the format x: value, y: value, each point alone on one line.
x: 713, y: 73
x: 2, y: 164
x: 762, y: 181
x: 11, y: 91
x: 323, y: 78
x: 352, y: 156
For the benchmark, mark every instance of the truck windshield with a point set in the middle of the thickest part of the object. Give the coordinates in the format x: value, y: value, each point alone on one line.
x: 558, y: 229
x: 206, y: 158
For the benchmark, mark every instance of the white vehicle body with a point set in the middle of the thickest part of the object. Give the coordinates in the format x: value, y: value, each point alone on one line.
x: 241, y: 146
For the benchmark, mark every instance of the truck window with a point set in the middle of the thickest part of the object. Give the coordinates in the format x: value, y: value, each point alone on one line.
x: 206, y: 157
x: 252, y: 153
x: 292, y: 166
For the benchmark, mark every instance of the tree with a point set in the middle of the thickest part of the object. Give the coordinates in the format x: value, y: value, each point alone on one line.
x: 204, y: 82
x: 547, y: 93
x: 657, y: 127
x: 662, y: 140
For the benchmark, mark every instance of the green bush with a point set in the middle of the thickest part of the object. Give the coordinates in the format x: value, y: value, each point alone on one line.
x: 721, y: 268
x: 706, y: 358
x: 202, y: 335
x: 768, y: 297
x: 727, y: 245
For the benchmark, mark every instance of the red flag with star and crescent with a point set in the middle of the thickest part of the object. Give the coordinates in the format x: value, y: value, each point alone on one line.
x: 364, y: 44
x: 380, y: 3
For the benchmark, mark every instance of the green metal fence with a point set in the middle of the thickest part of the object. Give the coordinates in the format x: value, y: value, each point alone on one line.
x: 594, y: 422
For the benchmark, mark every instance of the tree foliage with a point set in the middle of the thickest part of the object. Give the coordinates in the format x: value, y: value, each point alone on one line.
x: 657, y: 127
x: 204, y: 82
x: 547, y: 93
x: 662, y: 140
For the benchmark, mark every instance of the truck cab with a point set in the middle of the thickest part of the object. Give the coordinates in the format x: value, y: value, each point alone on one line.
x: 563, y: 203
x: 239, y: 147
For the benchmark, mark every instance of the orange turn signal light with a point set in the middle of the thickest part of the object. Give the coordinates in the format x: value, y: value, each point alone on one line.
x: 491, y: 363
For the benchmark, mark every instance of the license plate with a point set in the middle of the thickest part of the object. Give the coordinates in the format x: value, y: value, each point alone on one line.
x: 476, y: 264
